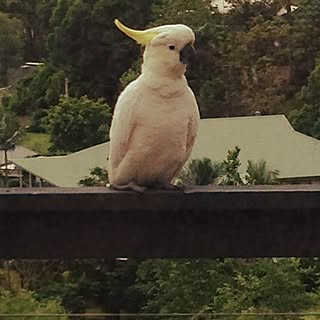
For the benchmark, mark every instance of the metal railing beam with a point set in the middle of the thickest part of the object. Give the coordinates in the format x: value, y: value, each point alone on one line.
x: 242, y: 222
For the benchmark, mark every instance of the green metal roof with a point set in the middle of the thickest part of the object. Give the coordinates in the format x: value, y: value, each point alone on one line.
x: 66, y: 171
x: 17, y: 152
x: 260, y: 137
x: 271, y: 138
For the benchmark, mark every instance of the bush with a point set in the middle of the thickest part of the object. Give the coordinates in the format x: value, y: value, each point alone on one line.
x: 25, y: 302
x: 39, y: 121
x: 259, y: 173
x: 75, y: 124
x: 200, y: 172
x: 98, y: 178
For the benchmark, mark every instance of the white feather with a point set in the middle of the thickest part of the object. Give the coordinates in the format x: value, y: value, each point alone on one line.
x: 156, y: 117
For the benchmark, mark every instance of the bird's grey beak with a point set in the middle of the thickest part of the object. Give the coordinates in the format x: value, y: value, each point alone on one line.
x: 188, y: 54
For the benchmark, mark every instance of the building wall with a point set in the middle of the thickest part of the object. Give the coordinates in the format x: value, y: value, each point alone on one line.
x: 224, y: 6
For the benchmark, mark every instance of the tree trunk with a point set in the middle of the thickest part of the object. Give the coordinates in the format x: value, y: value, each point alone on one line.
x: 7, y: 266
x: 4, y: 81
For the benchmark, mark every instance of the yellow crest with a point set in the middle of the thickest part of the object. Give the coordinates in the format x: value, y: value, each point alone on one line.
x: 140, y: 36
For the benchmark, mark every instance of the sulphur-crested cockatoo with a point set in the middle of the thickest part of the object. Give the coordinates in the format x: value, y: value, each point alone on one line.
x: 156, y: 117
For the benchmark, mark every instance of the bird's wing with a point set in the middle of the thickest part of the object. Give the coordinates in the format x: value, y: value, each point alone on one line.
x: 193, y: 125
x: 192, y: 131
x: 122, y: 125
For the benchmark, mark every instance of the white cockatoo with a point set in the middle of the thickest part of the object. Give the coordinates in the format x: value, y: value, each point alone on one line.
x: 156, y: 117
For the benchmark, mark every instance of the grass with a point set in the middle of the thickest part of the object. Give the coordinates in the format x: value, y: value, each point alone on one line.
x: 38, y: 142
x: 24, y: 121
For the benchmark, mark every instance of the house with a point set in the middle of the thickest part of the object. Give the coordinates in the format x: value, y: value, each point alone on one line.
x: 11, y: 169
x: 17, y: 153
x: 271, y: 138
x: 64, y: 171
x: 287, y: 9
x: 224, y: 6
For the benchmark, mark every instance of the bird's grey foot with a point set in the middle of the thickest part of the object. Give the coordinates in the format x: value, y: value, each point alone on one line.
x: 130, y: 186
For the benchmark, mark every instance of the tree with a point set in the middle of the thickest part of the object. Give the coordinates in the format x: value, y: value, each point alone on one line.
x: 204, y: 172
x: 35, y: 16
x: 107, y: 285
x: 263, y: 286
x: 190, y: 12
x: 40, y: 90
x: 230, y: 168
x: 9, y: 131
x: 200, y: 172
x: 24, y: 302
x: 306, y: 36
x: 3, y: 5
x: 181, y: 286
x: 85, y: 42
x: 206, y: 76
x: 306, y: 119
x: 11, y: 45
x: 225, y: 285
x: 98, y: 178
x: 258, y: 173
x: 254, y: 61
x: 76, y: 124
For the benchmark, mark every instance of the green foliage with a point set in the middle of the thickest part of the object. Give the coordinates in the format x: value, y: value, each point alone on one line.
x: 212, y: 97
x: 24, y: 302
x: 265, y: 286
x: 98, y: 178
x: 258, y: 55
x: 39, y: 123
x: 200, y: 172
x: 311, y: 93
x: 38, y: 142
x: 307, y: 118
x: 35, y: 15
x: 206, y: 76
x: 248, y: 59
x: 131, y: 74
x: 205, y: 171
x: 306, y: 31
x: 8, y: 126
x: 76, y: 124
x: 82, y: 284
x: 41, y: 89
x: 11, y: 45
x: 9, y: 135
x: 240, y: 56
x: 181, y: 285
x: 226, y: 285
x: 189, y: 12
x: 230, y: 168
x: 85, y: 41
x: 258, y: 173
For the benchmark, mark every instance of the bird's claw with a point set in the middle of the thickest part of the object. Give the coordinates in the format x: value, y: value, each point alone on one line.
x: 169, y: 186
x: 130, y: 186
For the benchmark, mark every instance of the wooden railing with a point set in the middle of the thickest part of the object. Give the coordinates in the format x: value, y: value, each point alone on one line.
x: 200, y: 222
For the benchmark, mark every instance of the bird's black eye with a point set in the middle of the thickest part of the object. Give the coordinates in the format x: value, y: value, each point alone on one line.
x: 172, y: 47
